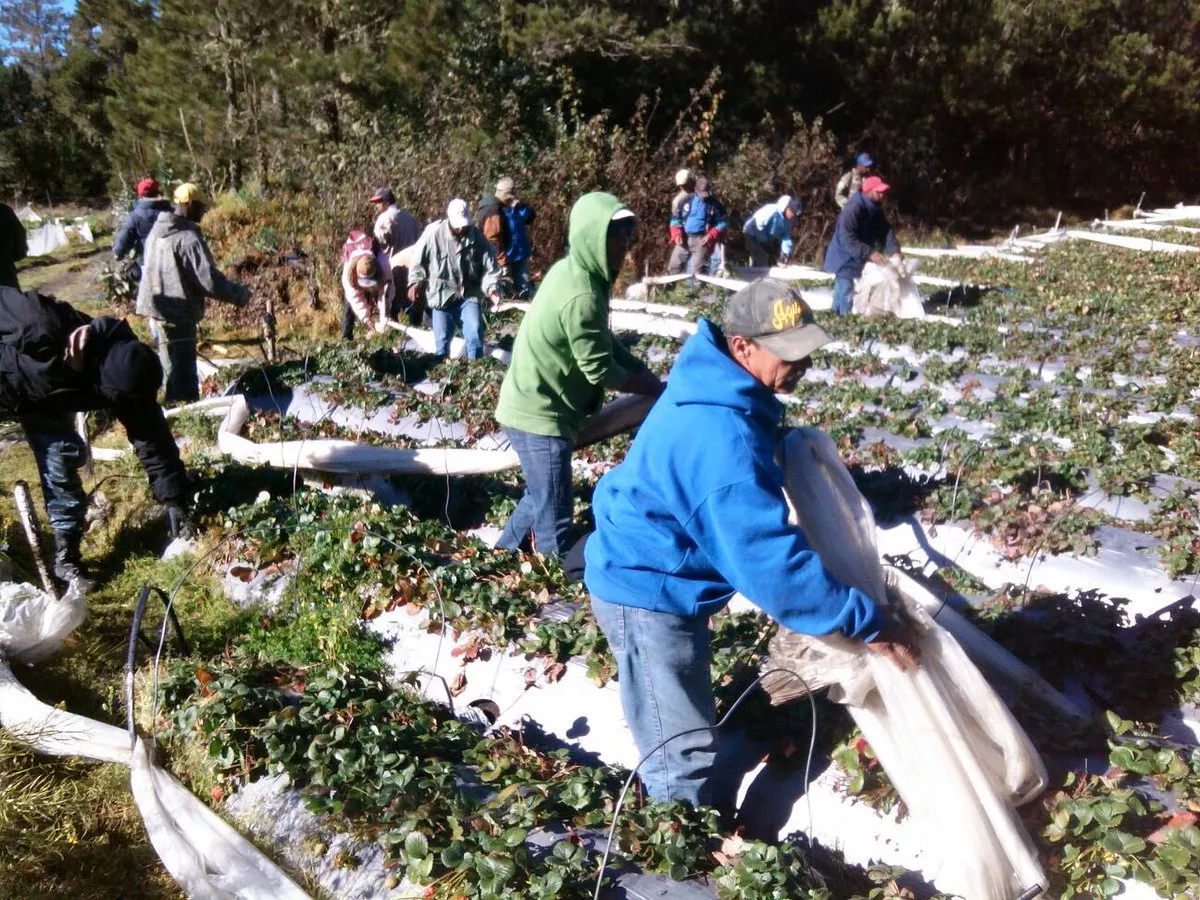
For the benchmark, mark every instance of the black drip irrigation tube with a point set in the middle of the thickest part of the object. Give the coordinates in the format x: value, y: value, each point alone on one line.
x: 135, y: 635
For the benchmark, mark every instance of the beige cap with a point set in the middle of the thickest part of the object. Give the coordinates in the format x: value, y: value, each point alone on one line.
x: 187, y: 193
x: 506, y: 189
x: 365, y: 271
x: 682, y: 177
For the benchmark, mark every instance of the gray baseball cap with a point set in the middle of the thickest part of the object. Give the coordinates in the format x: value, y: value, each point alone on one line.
x: 773, y: 313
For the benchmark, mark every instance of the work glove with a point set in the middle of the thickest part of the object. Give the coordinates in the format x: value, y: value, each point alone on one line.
x: 242, y: 296
x: 711, y: 237
x: 677, y: 236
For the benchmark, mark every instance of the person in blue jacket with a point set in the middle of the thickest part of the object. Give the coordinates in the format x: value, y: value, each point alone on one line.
x: 132, y: 234
x: 768, y: 233
x: 861, y: 228
x: 683, y: 523
x: 518, y: 215
x: 704, y: 222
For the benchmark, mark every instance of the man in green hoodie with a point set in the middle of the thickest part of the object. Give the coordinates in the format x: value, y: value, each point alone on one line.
x: 564, y: 358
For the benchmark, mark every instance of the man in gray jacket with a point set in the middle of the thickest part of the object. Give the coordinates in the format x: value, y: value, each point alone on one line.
x: 178, y: 275
x: 454, y: 269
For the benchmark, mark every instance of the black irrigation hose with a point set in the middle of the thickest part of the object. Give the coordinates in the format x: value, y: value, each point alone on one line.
x: 135, y: 633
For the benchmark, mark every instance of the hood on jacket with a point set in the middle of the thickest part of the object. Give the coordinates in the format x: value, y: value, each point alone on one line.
x: 168, y: 223
x: 705, y: 374
x: 486, y: 200
x: 587, y: 234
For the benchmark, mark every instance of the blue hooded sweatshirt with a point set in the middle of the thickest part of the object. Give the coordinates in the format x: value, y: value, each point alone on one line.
x: 696, y: 510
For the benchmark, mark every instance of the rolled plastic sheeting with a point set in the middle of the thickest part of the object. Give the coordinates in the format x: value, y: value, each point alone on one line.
x: 622, y: 415
x: 202, y: 852
x: 953, y: 750
x: 329, y: 455
x: 1132, y: 243
x: 54, y: 731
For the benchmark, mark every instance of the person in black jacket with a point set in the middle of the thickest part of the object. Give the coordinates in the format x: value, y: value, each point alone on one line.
x: 55, y: 360
x: 13, y: 247
x: 132, y: 234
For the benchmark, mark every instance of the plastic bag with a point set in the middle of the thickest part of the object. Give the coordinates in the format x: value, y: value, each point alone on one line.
x: 888, y: 290
x: 34, y: 624
x: 953, y: 750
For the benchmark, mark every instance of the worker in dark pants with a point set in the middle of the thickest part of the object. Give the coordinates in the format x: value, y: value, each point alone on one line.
x: 55, y: 361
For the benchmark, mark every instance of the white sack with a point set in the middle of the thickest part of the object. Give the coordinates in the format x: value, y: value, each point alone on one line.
x: 33, y: 624
x: 889, y: 289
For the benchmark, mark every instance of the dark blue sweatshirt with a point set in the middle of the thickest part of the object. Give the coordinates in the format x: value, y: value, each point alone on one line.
x: 861, y: 228
x: 136, y: 228
x: 696, y: 510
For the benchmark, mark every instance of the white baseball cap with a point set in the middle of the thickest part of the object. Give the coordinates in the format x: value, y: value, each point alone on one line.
x: 682, y: 177
x: 456, y: 213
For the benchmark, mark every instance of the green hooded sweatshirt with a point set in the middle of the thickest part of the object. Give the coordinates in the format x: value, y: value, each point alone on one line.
x: 565, y: 355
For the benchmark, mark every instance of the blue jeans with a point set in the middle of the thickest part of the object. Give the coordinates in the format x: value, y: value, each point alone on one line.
x: 843, y: 295
x: 59, y: 452
x: 464, y: 314
x: 663, y: 664
x: 545, y: 507
x: 522, y: 283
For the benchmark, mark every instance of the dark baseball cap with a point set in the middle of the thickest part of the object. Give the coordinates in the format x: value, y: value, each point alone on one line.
x: 772, y: 313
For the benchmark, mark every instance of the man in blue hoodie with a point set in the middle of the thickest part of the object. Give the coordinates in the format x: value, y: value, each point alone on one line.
x: 683, y: 523
x: 861, y: 228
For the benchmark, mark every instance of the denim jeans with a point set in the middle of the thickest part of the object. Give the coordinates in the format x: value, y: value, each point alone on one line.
x: 843, y: 295
x: 522, y: 283
x: 464, y: 314
x: 177, y: 353
x: 663, y: 666
x: 545, y: 507
x: 60, y: 453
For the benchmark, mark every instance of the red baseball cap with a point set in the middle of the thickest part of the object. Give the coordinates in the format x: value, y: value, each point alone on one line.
x: 148, y: 187
x: 874, y: 183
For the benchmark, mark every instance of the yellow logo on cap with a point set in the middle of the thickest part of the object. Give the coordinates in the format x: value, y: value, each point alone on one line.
x: 786, y: 313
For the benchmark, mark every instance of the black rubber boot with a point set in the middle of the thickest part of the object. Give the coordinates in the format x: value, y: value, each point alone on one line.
x: 68, y: 562
x: 180, y: 523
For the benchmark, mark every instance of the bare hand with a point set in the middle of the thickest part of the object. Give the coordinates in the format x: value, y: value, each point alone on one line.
x: 76, y: 343
x: 380, y: 326
x: 414, y: 293
x: 679, y: 241
x: 878, y: 258
x: 897, y: 642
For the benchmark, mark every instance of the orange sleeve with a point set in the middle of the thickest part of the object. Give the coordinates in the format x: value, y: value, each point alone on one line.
x: 491, y: 231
